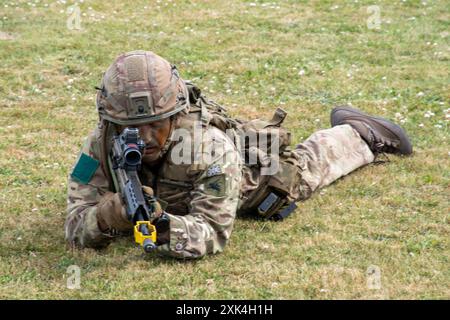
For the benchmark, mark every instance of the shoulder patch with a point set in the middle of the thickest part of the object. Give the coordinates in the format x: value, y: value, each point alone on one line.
x: 84, y: 169
x: 216, y: 185
x: 214, y: 170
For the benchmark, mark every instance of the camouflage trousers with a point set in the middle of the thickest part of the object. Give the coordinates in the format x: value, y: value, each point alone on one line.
x: 328, y: 155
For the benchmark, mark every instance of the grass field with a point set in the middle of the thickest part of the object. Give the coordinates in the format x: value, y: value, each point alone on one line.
x: 250, y: 56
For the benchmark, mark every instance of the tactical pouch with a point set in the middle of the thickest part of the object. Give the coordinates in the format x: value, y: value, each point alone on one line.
x: 276, y: 194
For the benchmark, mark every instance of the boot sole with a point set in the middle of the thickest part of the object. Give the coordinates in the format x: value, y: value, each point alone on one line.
x: 405, y: 145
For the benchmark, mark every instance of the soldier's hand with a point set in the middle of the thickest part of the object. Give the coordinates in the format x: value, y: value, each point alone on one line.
x: 111, y: 213
x: 162, y: 225
x: 155, y: 206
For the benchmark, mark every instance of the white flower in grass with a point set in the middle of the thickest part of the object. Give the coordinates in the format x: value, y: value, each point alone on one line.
x: 421, y: 125
x: 420, y: 94
x: 429, y: 114
x: 301, y: 72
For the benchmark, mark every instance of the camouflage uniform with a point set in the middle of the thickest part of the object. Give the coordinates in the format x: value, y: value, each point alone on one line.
x: 204, y: 195
x: 328, y: 155
x: 204, y: 198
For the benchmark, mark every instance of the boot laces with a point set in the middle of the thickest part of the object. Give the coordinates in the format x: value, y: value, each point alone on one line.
x: 379, y: 146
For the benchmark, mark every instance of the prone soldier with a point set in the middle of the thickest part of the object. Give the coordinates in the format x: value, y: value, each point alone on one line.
x: 201, y: 184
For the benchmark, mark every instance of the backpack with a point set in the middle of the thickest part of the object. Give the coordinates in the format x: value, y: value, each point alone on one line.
x: 275, y: 194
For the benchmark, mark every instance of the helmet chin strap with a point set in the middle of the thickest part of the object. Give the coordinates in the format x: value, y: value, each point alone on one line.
x: 174, y: 120
x: 169, y: 137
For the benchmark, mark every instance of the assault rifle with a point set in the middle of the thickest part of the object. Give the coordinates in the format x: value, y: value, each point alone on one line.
x: 126, y: 157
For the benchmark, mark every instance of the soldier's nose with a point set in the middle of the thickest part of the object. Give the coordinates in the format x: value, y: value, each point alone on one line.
x: 145, y: 135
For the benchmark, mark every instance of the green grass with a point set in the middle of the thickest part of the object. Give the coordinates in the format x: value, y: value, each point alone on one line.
x: 248, y: 58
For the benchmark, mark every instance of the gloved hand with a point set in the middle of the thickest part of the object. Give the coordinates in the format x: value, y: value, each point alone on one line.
x: 154, y: 206
x: 111, y: 213
x: 161, y: 225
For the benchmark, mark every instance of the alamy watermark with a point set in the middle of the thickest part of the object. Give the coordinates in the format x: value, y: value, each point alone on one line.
x: 74, y: 20
x: 200, y: 146
x: 74, y: 278
x: 373, y: 278
x: 374, y: 20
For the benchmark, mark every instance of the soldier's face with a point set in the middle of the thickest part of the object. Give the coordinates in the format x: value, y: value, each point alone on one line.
x: 155, y: 135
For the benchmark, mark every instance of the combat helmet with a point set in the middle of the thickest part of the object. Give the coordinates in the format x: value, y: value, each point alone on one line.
x: 140, y: 87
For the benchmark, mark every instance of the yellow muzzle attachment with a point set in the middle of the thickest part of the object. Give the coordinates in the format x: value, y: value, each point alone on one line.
x: 145, y: 235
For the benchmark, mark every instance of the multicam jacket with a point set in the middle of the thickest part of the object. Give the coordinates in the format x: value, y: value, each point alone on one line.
x: 202, y: 197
